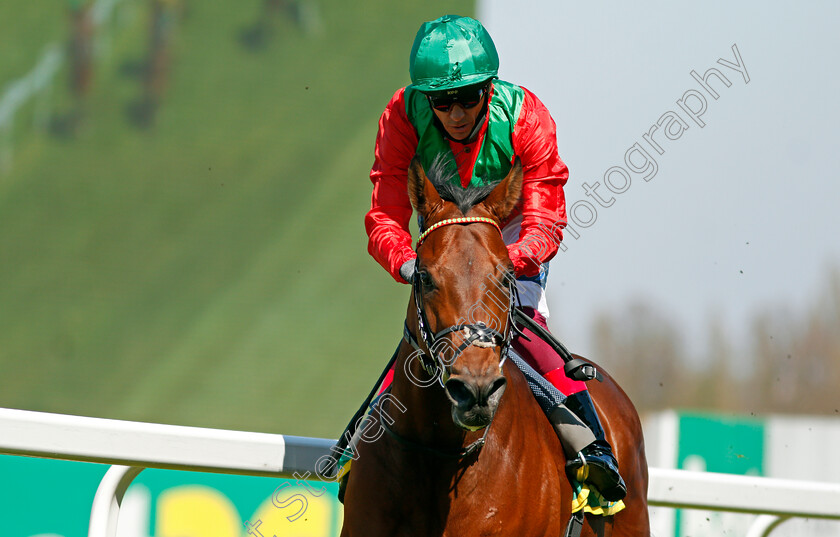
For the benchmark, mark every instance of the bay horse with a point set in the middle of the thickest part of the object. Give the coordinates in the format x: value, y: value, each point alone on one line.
x: 469, y: 452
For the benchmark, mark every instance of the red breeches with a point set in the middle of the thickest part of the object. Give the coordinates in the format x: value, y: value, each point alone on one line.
x: 539, y: 355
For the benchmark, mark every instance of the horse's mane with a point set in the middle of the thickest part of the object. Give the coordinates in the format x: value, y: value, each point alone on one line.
x: 444, y: 177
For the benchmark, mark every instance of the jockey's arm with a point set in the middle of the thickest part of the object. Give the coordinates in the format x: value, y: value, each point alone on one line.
x: 387, y: 221
x: 543, y: 202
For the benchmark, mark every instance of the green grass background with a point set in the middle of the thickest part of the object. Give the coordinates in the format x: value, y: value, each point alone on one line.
x: 213, y: 270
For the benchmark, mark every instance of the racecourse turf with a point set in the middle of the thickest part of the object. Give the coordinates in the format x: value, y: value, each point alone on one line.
x: 210, y: 270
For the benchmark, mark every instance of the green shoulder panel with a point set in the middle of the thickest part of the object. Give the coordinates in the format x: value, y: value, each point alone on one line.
x: 430, y: 141
x: 496, y: 151
x: 496, y: 154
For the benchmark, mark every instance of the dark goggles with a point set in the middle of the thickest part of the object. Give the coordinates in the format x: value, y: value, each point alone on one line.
x: 468, y: 97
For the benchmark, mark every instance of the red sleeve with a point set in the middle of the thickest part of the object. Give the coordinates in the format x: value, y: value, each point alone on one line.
x: 543, y: 202
x: 389, y: 238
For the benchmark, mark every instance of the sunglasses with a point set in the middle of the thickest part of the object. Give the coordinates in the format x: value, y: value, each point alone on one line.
x: 466, y: 97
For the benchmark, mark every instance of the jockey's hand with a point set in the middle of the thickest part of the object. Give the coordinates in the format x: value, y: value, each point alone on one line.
x: 408, y: 269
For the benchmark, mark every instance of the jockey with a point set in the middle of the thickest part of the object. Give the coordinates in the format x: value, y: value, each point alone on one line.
x: 457, y: 105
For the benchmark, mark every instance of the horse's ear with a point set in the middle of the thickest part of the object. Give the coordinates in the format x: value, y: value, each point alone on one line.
x: 421, y: 191
x: 505, y: 196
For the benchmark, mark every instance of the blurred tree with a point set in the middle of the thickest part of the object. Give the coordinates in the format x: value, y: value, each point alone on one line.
x: 794, y: 360
x: 714, y: 385
x: 816, y: 352
x: 797, y: 361
x: 641, y: 348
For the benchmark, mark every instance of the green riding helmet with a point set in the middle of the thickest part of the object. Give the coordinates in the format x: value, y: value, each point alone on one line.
x: 452, y: 52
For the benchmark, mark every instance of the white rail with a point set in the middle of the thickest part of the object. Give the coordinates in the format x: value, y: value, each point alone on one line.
x: 132, y: 446
x: 776, y: 500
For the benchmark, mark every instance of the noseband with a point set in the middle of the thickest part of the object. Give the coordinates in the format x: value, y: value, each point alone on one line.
x: 478, y: 334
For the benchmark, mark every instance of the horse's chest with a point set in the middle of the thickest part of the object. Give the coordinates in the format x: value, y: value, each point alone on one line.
x: 489, y: 503
x: 516, y: 486
x: 521, y: 505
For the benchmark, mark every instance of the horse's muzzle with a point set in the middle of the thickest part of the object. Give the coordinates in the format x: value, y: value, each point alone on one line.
x: 474, y: 400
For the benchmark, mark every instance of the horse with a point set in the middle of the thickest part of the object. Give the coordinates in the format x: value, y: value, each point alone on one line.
x: 468, y: 451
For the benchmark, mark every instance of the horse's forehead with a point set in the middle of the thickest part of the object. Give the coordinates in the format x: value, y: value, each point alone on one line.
x: 465, y: 254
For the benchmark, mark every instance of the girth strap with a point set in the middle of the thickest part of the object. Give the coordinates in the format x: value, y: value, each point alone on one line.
x: 575, y: 525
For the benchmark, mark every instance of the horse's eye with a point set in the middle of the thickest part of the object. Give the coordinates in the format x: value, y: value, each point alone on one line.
x: 425, y: 280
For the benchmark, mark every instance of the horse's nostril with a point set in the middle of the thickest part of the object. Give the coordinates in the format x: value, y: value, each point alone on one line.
x: 461, y: 393
x: 497, y: 386
x: 466, y: 394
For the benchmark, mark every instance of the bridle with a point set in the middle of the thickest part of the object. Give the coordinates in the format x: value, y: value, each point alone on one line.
x: 478, y: 333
